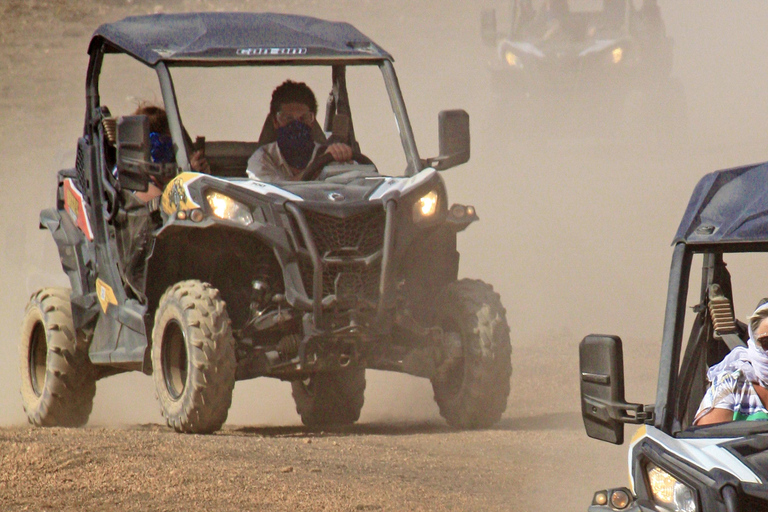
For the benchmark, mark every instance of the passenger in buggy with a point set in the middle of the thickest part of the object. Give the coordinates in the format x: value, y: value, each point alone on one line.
x: 161, y: 148
x: 739, y: 383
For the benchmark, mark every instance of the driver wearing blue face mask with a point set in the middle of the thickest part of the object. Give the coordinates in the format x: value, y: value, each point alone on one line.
x: 293, y: 109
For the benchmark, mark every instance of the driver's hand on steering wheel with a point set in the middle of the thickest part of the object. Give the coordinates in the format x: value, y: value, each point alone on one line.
x: 340, y: 152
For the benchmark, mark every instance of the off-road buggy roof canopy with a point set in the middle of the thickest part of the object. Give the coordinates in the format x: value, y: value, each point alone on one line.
x: 728, y: 206
x: 247, y: 37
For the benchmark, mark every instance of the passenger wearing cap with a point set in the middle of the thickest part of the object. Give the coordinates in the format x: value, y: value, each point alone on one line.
x: 739, y: 389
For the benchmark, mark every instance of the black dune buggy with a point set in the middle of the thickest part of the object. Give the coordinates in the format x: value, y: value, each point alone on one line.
x: 600, y: 66
x: 228, y: 278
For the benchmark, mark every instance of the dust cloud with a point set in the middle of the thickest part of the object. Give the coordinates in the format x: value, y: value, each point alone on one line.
x: 574, y: 232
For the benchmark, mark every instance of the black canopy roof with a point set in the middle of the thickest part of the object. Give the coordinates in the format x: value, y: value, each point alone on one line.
x: 235, y: 36
x: 728, y: 206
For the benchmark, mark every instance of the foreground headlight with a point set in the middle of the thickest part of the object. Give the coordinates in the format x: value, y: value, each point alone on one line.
x: 226, y: 208
x: 668, y: 492
x: 425, y: 207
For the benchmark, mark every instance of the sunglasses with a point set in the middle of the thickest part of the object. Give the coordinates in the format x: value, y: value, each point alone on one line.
x: 284, y: 119
x: 762, y: 341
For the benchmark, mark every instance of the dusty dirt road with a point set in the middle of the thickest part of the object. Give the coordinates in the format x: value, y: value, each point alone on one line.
x: 574, y: 236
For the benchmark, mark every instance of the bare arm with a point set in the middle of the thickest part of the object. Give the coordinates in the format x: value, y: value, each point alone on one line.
x: 716, y: 416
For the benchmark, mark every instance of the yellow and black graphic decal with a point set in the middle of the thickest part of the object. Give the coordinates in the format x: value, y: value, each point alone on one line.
x: 74, y: 204
x: 176, y: 193
x: 106, y: 295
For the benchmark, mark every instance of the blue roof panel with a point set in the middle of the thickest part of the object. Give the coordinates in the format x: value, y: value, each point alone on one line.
x: 728, y: 206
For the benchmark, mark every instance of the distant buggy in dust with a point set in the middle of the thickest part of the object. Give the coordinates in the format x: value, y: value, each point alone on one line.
x: 311, y: 282
x: 583, y: 64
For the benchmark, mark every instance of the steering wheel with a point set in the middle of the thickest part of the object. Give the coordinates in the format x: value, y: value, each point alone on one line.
x: 314, y: 169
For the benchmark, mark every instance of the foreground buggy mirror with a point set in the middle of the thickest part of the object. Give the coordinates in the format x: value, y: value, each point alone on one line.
x: 454, y: 140
x: 134, y: 155
x: 488, y: 27
x: 601, y: 362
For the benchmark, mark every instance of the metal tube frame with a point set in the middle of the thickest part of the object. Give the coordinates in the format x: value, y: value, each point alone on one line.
x: 674, y: 323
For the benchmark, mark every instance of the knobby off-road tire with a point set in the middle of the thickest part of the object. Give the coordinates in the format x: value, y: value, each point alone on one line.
x: 328, y: 399
x: 58, y: 381
x: 473, y: 391
x: 193, y: 358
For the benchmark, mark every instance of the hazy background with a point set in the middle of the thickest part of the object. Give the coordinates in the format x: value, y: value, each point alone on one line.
x: 575, y: 235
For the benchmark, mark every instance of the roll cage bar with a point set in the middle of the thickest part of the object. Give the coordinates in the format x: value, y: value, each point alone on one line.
x: 337, y: 103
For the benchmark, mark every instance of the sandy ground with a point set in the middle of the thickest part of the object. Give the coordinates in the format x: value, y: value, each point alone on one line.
x: 574, y: 235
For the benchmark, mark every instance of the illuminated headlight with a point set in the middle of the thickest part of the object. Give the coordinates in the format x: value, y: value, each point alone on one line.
x: 425, y: 207
x: 669, y: 493
x: 226, y: 208
x: 512, y: 60
x: 617, y: 54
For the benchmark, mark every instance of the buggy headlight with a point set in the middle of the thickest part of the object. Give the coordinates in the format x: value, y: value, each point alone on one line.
x: 617, y: 54
x: 425, y: 207
x: 226, y: 208
x: 512, y: 60
x: 668, y: 492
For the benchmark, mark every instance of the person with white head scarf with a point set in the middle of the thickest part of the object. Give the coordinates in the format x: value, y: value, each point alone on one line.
x: 739, y: 389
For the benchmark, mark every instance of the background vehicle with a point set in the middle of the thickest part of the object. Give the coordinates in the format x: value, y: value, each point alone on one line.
x: 603, y: 66
x: 229, y: 278
x: 673, y: 466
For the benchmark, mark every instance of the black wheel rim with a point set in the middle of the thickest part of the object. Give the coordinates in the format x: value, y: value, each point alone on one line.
x: 38, y: 358
x: 174, y: 357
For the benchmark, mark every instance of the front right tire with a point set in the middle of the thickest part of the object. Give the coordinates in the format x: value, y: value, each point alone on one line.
x: 471, y: 390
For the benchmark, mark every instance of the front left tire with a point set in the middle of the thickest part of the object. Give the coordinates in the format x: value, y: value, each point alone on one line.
x: 193, y: 357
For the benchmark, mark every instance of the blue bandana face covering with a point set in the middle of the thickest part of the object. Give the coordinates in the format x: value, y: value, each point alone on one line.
x: 295, y: 143
x: 161, y: 148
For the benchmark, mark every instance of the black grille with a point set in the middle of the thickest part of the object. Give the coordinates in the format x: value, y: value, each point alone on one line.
x: 352, y: 280
x: 359, y: 235
x: 343, y: 240
x: 753, y: 504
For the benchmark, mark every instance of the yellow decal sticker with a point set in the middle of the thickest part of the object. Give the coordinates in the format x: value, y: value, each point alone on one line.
x: 106, y: 295
x: 176, y: 193
x: 640, y: 432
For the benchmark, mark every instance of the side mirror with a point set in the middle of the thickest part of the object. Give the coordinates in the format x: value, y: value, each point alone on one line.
x: 453, y: 126
x: 488, y: 32
x: 133, y: 152
x: 134, y: 155
x: 601, y: 363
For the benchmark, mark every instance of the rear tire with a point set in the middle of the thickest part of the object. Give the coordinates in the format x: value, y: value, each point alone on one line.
x: 472, y: 391
x: 193, y: 358
x: 327, y: 399
x: 58, y: 381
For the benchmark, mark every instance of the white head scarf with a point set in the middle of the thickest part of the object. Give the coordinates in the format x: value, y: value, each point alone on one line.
x: 752, y: 361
